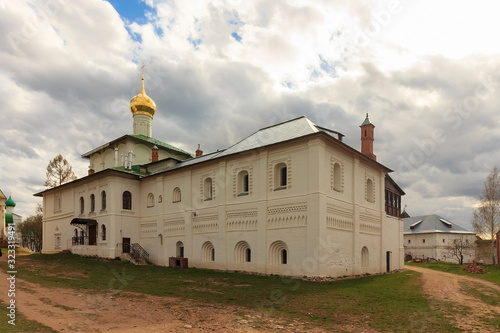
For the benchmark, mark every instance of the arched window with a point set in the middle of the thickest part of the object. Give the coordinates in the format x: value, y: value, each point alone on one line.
x: 207, y: 189
x: 151, y: 200
x: 160, y: 239
x: 76, y: 232
x: 365, y: 260
x: 103, y: 200
x: 242, y: 252
x: 278, y: 253
x: 337, y: 177
x: 176, y: 195
x: 280, y: 176
x: 207, y: 252
x: 127, y: 200
x: 160, y: 199
x: 243, y: 185
x: 82, y: 206
x: 284, y: 257
x: 179, y: 249
x: 103, y: 232
x: 92, y: 203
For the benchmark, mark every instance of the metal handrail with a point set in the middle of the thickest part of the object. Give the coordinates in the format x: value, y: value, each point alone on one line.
x: 137, y: 251
x: 83, y: 240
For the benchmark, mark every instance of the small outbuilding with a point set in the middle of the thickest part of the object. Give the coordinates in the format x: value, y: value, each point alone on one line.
x: 434, y: 237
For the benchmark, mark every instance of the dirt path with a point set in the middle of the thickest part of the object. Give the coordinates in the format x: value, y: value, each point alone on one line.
x: 454, y: 288
x: 70, y: 310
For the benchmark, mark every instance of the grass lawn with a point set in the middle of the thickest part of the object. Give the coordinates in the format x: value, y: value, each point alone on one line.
x: 492, y: 271
x: 380, y: 302
x: 18, y: 251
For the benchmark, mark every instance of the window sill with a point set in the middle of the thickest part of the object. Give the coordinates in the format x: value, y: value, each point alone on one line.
x: 243, y: 194
x: 208, y: 199
x: 280, y: 188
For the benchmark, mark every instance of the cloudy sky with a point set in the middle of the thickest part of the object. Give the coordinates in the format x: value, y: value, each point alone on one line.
x: 427, y: 72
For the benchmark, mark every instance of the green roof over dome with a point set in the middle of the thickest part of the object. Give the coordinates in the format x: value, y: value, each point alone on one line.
x: 10, y: 203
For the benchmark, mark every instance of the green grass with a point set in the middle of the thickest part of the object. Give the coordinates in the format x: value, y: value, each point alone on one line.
x: 18, y: 251
x: 379, y: 302
x: 492, y: 271
x: 22, y: 324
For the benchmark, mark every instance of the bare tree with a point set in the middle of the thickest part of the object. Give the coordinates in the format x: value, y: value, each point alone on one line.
x: 59, y: 172
x: 460, y: 247
x: 31, y: 231
x: 486, y: 218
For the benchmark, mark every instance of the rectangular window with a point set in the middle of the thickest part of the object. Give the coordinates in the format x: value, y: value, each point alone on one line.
x: 57, y: 202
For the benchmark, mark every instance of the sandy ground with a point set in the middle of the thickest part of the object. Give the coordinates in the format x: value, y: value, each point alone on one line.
x: 69, y: 310
x: 450, y: 287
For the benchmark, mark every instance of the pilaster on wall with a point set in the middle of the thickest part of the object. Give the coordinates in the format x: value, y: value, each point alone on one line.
x: 356, y: 255
x: 262, y: 193
x: 316, y: 206
x: 383, y: 240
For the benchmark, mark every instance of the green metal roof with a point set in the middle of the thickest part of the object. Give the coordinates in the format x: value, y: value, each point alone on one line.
x: 10, y: 203
x: 140, y: 138
x: 9, y: 219
x: 2, y: 196
x: 159, y: 143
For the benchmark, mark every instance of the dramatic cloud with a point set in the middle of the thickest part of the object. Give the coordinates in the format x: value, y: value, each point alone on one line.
x: 427, y: 73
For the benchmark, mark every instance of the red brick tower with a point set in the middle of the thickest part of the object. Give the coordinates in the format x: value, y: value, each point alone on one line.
x: 367, y: 137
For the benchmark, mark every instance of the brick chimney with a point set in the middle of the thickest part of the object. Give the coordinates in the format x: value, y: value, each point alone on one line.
x: 199, y: 152
x: 154, y: 154
x: 367, y: 137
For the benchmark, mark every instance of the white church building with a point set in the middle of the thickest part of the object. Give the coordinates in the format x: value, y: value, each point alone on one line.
x: 290, y: 199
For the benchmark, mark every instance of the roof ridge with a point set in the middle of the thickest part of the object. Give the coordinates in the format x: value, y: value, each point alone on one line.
x: 284, y: 122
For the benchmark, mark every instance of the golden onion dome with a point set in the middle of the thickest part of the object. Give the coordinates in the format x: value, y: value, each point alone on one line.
x: 142, y: 103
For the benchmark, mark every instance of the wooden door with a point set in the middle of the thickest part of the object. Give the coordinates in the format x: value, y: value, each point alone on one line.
x: 126, y: 245
x: 93, y: 234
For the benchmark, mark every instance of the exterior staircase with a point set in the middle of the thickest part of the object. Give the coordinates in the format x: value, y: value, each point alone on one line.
x: 137, y: 255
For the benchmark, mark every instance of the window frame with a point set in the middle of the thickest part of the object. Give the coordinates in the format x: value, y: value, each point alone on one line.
x: 281, y: 176
x: 243, y: 183
x: 82, y: 205
x: 92, y: 203
x: 127, y: 200
x: 103, y: 200
x: 208, y: 190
